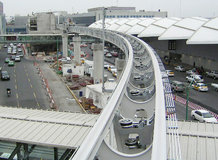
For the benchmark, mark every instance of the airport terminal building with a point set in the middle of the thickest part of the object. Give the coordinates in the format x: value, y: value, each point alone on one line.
x: 191, y: 41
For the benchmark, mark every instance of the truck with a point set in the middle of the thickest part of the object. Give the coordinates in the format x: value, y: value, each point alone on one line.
x: 88, y: 68
x: 213, y: 74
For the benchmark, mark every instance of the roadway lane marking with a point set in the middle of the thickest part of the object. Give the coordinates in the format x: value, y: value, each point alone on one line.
x: 27, y: 74
x: 38, y: 104
x: 31, y: 85
x: 28, y: 79
x: 14, y: 75
x: 17, y: 96
x: 15, y: 81
x: 16, y: 87
x: 34, y: 95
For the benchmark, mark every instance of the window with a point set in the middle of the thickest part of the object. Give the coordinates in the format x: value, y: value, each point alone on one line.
x: 172, y: 45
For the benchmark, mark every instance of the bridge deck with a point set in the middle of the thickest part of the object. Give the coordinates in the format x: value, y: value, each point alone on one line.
x: 45, y: 128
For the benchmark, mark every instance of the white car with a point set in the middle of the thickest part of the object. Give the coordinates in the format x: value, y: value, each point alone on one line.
x: 195, y: 78
x: 180, y: 68
x: 203, y: 116
x: 17, y: 59
x: 191, y: 71
x: 108, y: 55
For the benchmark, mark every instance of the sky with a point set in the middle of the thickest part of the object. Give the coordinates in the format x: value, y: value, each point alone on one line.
x: 175, y: 8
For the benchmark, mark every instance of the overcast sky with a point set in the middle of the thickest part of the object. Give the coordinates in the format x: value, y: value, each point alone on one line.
x: 178, y: 8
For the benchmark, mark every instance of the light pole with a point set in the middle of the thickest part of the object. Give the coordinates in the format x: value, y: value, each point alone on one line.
x: 187, y: 98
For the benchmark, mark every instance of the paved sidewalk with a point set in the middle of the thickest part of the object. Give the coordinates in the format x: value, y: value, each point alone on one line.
x: 63, y: 99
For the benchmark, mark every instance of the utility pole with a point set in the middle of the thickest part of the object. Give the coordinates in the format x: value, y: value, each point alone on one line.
x: 187, y: 98
x: 103, y: 42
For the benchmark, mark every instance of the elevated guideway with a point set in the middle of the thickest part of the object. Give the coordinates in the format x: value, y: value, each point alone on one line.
x: 119, y: 116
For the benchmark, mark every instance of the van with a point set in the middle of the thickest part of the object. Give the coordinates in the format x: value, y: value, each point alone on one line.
x: 177, y: 86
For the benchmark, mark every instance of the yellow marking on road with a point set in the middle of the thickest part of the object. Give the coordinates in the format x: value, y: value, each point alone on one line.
x: 15, y: 80
x: 31, y: 85
x: 28, y: 79
x: 15, y: 86
x: 17, y: 96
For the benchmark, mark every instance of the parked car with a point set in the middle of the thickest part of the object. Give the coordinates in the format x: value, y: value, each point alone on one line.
x: 191, y: 71
x: 200, y: 87
x: 135, y: 92
x: 17, y: 59
x: 137, y: 77
x: 48, y: 59
x: 195, y: 78
x: 7, y: 60
x: 170, y: 73
x: 11, y: 63
x: 108, y: 55
x: 203, y: 116
x: 215, y: 86
x: 13, y: 57
x: 213, y: 74
x: 180, y: 68
x: 5, y: 75
x: 177, y: 86
x: 115, y: 54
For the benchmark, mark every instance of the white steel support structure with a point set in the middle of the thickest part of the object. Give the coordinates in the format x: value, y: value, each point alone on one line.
x: 77, y: 49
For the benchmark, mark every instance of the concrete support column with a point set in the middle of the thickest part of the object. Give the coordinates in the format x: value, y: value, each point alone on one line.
x: 119, y: 63
x: 65, y: 44
x: 98, y: 63
x: 77, y: 49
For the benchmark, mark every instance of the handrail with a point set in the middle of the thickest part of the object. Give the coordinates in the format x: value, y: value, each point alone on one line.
x: 96, y: 135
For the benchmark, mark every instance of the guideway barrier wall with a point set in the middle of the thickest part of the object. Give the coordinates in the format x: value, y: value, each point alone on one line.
x: 48, y: 90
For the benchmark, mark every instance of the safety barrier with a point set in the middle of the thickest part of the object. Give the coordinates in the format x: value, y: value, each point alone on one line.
x: 47, y: 88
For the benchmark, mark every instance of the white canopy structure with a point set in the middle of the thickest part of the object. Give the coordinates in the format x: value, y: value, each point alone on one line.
x: 196, y: 30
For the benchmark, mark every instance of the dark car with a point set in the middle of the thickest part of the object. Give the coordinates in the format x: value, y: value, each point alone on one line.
x: 5, y: 75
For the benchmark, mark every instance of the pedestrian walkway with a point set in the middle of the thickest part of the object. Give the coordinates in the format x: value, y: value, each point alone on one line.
x: 63, y: 99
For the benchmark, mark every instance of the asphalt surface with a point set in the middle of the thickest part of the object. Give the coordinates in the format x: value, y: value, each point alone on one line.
x: 25, y: 84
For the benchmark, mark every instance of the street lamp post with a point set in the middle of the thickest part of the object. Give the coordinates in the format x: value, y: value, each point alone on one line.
x: 187, y: 98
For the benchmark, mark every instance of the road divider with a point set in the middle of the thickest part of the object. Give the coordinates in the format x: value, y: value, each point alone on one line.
x: 46, y: 86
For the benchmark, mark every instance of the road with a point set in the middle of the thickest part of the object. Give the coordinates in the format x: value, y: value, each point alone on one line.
x: 25, y: 84
x: 205, y: 99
